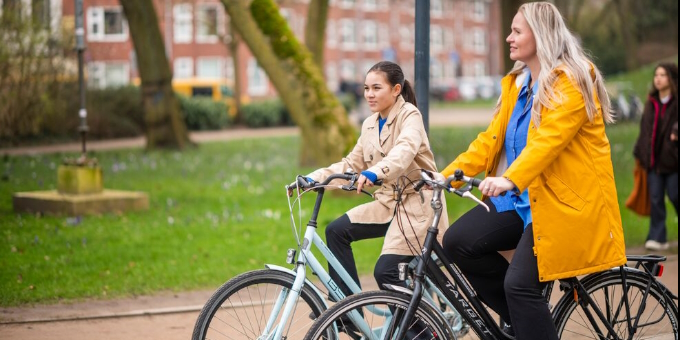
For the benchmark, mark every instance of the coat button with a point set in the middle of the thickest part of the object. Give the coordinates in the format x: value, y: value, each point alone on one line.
x: 534, y: 200
x: 382, y: 154
x: 371, y: 157
x: 494, y: 137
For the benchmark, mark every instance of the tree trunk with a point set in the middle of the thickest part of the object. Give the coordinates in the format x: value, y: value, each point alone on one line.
x: 315, y: 31
x: 165, y: 127
x: 327, y: 134
x: 508, y: 10
x: 234, y: 42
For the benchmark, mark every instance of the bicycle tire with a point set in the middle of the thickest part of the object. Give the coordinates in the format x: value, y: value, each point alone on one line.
x: 429, y: 325
x: 659, y: 318
x: 240, y: 308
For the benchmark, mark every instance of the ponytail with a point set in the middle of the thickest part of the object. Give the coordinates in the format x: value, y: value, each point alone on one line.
x: 408, y: 93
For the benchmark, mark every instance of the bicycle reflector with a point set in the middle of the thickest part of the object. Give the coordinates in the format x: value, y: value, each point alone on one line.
x: 655, y: 269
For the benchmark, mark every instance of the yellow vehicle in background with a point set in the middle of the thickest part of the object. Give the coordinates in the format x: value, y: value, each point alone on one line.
x: 215, y: 88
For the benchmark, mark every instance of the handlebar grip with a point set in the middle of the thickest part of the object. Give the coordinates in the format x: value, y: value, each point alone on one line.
x: 378, y: 182
x: 419, y: 185
x: 475, y: 182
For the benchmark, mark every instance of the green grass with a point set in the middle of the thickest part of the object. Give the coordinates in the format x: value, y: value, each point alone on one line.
x: 216, y: 211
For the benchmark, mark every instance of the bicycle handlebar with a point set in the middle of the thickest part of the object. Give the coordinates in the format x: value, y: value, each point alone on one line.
x: 458, y: 176
x: 352, y: 177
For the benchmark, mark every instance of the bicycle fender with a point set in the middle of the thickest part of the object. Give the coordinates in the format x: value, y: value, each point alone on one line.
x: 307, y: 282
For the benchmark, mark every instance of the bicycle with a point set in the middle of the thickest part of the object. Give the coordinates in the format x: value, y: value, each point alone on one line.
x: 281, y: 303
x: 621, y: 303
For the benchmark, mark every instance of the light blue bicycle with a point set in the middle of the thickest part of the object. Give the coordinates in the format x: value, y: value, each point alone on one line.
x: 282, y: 303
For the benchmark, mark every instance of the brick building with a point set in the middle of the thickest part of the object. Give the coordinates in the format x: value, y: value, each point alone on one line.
x: 465, y: 39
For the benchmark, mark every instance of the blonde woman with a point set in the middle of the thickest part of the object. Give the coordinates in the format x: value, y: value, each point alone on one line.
x: 549, y: 178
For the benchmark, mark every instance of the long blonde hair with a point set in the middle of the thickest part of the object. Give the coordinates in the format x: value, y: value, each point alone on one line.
x: 557, y: 47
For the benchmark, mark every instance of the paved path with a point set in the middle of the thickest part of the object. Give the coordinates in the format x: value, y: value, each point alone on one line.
x: 438, y: 117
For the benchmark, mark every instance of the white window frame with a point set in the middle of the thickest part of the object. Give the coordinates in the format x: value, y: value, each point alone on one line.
x: 98, y: 70
x: 479, y: 10
x: 348, y: 36
x: 347, y: 70
x: 331, y: 35
x: 95, y: 16
x: 257, y: 79
x: 369, y: 35
x: 204, y: 59
x: 201, y: 37
x: 437, y: 8
x: 347, y: 4
x: 370, y: 5
x: 436, y: 38
x: 479, y: 42
x: 182, y: 23
x: 332, y: 80
x: 180, y: 64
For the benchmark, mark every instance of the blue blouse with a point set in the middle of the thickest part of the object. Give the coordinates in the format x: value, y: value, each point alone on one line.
x: 515, y: 141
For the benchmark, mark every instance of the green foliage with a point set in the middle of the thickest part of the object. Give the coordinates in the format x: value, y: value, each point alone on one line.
x: 204, y: 113
x: 215, y: 211
x: 265, y: 113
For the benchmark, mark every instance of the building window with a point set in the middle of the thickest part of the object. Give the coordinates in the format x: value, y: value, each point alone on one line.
x: 183, y: 28
x: 257, y: 79
x: 183, y: 68
x: 436, y: 72
x: 437, y: 8
x: 370, y: 5
x: 479, y: 10
x: 331, y: 35
x: 347, y: 34
x: 108, y: 74
x: 479, y: 41
x: 370, y: 35
x: 209, y: 67
x: 479, y: 68
x: 347, y: 70
x: 436, y: 38
x: 229, y: 69
x: 208, y: 26
x: 347, y: 4
x: 106, y: 24
x: 332, y: 80
x: 407, y: 37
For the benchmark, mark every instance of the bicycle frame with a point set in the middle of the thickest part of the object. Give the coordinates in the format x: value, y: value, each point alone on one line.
x: 471, y: 307
x: 306, y: 258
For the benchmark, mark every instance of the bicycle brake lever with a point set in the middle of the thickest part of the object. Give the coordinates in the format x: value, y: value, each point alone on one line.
x: 467, y: 194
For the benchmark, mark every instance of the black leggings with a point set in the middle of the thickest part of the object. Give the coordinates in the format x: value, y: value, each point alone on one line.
x: 339, y: 236
x: 511, y: 290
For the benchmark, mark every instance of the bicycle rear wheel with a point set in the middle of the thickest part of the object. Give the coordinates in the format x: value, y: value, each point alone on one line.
x: 240, y: 309
x: 382, y: 311
x: 656, y: 315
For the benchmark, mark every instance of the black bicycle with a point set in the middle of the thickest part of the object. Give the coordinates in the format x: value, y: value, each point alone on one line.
x: 625, y: 302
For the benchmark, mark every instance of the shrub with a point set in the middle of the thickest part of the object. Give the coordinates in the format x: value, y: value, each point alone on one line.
x: 204, y: 113
x: 265, y: 113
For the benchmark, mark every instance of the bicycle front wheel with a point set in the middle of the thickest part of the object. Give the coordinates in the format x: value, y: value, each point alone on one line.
x: 381, y: 313
x: 655, y: 314
x: 250, y: 306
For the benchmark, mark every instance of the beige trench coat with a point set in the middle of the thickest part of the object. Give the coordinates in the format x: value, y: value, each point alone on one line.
x: 402, y: 148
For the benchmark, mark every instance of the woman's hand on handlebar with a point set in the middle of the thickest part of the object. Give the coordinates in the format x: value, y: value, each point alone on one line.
x: 361, y: 181
x: 495, y: 186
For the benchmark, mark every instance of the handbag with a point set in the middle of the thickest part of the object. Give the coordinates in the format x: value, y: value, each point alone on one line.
x: 639, y: 200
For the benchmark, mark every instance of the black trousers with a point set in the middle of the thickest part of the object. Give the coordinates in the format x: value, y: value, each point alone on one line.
x: 511, y: 290
x: 659, y: 185
x: 339, y: 236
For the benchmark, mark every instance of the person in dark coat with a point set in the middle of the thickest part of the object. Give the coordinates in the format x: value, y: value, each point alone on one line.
x: 657, y: 150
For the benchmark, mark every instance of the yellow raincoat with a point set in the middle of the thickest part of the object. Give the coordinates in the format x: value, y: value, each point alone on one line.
x: 567, y: 167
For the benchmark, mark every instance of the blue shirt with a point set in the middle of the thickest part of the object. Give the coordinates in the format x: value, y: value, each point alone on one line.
x: 371, y: 176
x: 515, y: 141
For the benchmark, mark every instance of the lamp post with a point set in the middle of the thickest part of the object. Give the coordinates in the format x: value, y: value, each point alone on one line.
x: 422, y: 62
x: 80, y: 48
